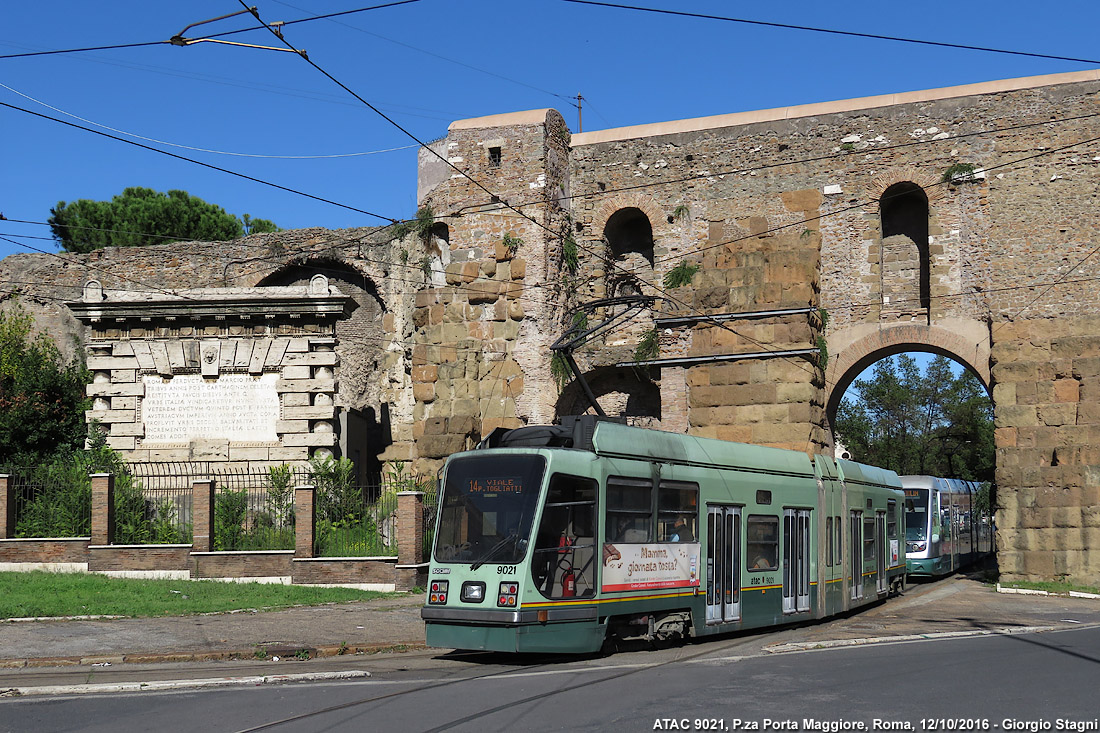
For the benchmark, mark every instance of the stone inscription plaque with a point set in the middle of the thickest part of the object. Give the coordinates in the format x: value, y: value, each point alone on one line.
x: 237, y: 407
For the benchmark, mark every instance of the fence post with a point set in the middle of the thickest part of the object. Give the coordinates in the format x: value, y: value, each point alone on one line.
x: 202, y: 515
x: 103, y: 508
x: 7, y: 507
x: 410, y: 527
x: 305, y: 520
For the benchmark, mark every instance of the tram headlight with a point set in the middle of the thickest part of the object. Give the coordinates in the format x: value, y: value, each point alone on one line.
x: 473, y: 592
x: 507, y: 594
x: 438, y: 594
x: 917, y: 546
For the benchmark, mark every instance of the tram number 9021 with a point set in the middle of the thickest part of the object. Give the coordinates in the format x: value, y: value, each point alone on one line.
x: 506, y: 569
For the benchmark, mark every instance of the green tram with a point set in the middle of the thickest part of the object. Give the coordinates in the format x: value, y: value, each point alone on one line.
x: 558, y: 538
x: 946, y: 527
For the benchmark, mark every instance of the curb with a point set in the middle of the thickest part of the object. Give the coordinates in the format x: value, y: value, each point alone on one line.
x: 1030, y: 592
x: 282, y: 652
x: 162, y: 685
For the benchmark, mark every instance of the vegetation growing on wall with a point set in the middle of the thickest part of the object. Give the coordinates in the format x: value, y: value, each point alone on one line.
x: 680, y: 275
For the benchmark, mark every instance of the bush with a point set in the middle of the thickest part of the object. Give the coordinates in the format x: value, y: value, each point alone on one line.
x: 230, y: 508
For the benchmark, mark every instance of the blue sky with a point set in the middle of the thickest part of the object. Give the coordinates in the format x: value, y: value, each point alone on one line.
x: 430, y: 62
x: 427, y: 63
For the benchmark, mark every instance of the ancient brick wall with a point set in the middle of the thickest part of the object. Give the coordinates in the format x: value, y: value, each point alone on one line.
x: 372, y: 359
x: 841, y: 208
x: 484, y: 328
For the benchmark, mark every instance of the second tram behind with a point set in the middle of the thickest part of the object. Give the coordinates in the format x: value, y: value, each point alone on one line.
x: 946, y: 527
x: 557, y: 538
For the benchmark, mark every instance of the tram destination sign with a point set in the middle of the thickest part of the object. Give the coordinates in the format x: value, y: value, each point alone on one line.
x: 500, y: 485
x: 237, y: 407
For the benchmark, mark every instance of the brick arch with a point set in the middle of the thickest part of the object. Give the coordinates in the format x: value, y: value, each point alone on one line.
x: 627, y: 201
x: 852, y: 350
x: 882, y: 180
x: 335, y: 268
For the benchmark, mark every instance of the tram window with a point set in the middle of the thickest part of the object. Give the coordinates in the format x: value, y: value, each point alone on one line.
x: 563, y: 562
x: 868, y: 539
x: 763, y: 497
x: 828, y: 541
x: 762, y: 542
x: 892, y: 519
x: 677, y: 512
x: 629, y: 510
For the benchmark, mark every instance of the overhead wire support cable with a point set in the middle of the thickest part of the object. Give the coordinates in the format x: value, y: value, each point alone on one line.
x: 245, y: 176
x: 833, y: 31
x: 212, y: 35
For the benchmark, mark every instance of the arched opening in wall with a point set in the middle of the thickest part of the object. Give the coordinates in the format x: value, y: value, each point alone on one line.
x: 437, y: 250
x: 620, y: 392
x: 904, y: 262
x: 629, y: 237
x: 916, y: 413
x: 362, y: 414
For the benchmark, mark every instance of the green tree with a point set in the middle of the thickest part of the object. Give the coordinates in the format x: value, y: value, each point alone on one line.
x: 932, y: 423
x: 141, y: 216
x: 42, y: 399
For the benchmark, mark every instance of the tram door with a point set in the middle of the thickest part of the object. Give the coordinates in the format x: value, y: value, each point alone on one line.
x: 880, y: 551
x: 855, y: 554
x: 723, y: 564
x: 796, y: 560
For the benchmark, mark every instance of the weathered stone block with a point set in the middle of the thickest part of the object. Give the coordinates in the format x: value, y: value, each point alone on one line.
x: 1015, y: 416
x: 440, y: 446
x: 424, y: 391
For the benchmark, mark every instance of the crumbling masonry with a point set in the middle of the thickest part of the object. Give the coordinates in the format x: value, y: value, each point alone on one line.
x: 960, y: 221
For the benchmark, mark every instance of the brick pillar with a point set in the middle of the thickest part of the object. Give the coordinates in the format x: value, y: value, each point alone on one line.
x: 305, y: 521
x: 202, y: 516
x: 7, y: 507
x: 410, y: 527
x: 103, y: 508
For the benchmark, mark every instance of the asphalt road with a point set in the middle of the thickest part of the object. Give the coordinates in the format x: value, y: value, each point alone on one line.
x: 996, y: 682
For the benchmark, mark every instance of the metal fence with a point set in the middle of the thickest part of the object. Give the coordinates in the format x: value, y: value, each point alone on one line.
x: 350, y: 524
x: 153, y: 505
x: 51, y: 501
x: 254, y: 509
x: 431, y: 508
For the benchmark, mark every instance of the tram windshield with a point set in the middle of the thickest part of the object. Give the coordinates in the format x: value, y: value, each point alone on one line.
x: 916, y: 514
x: 487, y: 509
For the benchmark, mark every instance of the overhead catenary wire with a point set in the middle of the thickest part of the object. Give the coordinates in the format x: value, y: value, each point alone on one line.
x: 834, y: 31
x: 245, y: 176
x: 198, y: 149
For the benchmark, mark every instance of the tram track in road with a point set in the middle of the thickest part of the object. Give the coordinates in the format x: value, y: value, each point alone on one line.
x: 556, y: 667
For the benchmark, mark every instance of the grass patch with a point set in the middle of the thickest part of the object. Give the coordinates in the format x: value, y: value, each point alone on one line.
x: 42, y: 593
x: 1052, y: 587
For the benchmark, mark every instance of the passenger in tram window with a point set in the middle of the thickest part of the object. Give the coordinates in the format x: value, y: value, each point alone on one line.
x: 681, y: 531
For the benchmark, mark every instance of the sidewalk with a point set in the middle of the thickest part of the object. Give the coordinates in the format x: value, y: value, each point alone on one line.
x: 368, y: 626
x: 955, y: 604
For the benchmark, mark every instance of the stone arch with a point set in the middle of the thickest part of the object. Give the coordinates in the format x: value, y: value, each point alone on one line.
x: 360, y: 338
x: 620, y: 392
x: 852, y: 350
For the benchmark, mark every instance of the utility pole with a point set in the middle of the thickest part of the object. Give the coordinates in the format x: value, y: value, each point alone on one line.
x: 580, y: 120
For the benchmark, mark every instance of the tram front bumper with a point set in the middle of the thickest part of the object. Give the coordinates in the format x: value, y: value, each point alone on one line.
x: 565, y: 630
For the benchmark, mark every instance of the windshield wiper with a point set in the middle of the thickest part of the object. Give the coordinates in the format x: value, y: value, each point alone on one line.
x: 494, y: 550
